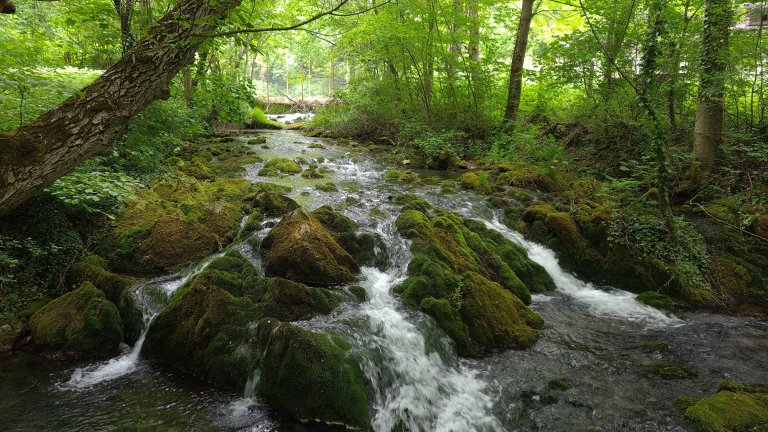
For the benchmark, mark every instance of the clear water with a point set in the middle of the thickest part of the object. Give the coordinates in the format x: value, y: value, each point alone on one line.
x: 597, y: 339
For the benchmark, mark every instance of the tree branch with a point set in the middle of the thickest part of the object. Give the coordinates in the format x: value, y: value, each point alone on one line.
x: 330, y: 12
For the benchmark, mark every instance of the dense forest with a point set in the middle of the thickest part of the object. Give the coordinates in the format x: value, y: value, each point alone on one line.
x: 387, y: 215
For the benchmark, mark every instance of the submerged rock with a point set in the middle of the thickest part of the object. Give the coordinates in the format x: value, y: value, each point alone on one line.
x: 472, y: 280
x: 81, y: 323
x: 299, y: 248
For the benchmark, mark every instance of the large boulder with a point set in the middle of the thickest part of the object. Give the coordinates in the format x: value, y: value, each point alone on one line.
x: 367, y: 249
x: 299, y: 248
x: 176, y: 223
x: 117, y: 289
x: 81, y: 323
x: 225, y: 326
x: 474, y: 282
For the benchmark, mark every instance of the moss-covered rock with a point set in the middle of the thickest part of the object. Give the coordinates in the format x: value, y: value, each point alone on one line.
x: 223, y: 326
x: 310, y: 376
x: 272, y: 204
x: 299, y: 248
x: 408, y: 176
x: 116, y: 287
x: 656, y: 299
x: 476, y: 181
x: 327, y: 187
x: 176, y: 223
x: 674, y: 371
x: 729, y: 411
x: 367, y: 249
x: 472, y: 280
x: 277, y: 166
x: 81, y: 323
x: 10, y: 332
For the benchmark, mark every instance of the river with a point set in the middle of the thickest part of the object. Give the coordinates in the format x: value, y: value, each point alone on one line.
x: 592, y: 368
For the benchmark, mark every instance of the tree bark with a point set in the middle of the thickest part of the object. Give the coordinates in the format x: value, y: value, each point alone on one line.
x: 708, y: 130
x: 88, y: 123
x: 518, y: 61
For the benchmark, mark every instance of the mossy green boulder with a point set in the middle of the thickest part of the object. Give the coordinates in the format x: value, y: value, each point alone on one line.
x: 472, y: 280
x: 734, y: 408
x: 80, y: 324
x: 311, y: 376
x: 272, y: 204
x: 116, y: 287
x: 299, y: 248
x: 225, y: 326
x: 277, y: 166
x: 176, y: 223
x: 361, y: 246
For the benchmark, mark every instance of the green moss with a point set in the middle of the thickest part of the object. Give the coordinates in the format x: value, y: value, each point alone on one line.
x: 733, y: 386
x: 312, y: 174
x: 358, y: 292
x: 308, y: 376
x: 81, y: 323
x: 729, y: 411
x: 413, y: 223
x: 476, y: 181
x: 408, y: 176
x: 257, y: 140
x: 494, y: 317
x: 656, y: 299
x: 681, y: 404
x: 115, y: 287
x: 327, y: 187
x: 299, y: 248
x: 177, y: 222
x: 449, y: 320
x: 413, y: 202
x: 280, y: 166
x: 674, y: 371
x: 271, y: 204
x: 469, y: 278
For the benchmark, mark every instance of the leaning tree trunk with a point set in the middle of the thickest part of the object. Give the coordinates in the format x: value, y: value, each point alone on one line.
x: 516, y: 68
x: 87, y: 124
x: 708, y: 130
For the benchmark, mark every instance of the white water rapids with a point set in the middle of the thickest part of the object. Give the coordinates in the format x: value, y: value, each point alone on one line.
x: 613, y: 303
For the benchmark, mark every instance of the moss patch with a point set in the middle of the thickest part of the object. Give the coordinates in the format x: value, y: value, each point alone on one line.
x: 472, y: 280
x: 299, y: 248
x: 81, y: 323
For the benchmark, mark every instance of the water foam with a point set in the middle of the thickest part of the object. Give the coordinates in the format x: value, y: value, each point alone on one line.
x: 612, y: 303
x: 415, y: 388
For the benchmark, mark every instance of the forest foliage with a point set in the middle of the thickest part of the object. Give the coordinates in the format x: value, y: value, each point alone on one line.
x: 431, y: 78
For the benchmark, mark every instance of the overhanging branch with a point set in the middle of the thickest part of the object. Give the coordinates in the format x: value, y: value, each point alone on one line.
x: 331, y: 12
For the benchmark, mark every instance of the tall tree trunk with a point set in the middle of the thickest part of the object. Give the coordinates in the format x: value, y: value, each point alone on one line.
x: 87, y: 124
x: 708, y: 130
x: 516, y: 68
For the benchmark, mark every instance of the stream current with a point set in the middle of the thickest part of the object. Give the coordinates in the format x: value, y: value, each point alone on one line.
x: 598, y: 341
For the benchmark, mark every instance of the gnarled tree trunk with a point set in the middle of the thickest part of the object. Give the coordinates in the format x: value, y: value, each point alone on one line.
x: 88, y: 124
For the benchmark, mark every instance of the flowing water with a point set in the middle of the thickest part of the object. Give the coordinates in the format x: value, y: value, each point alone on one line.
x: 598, y: 343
